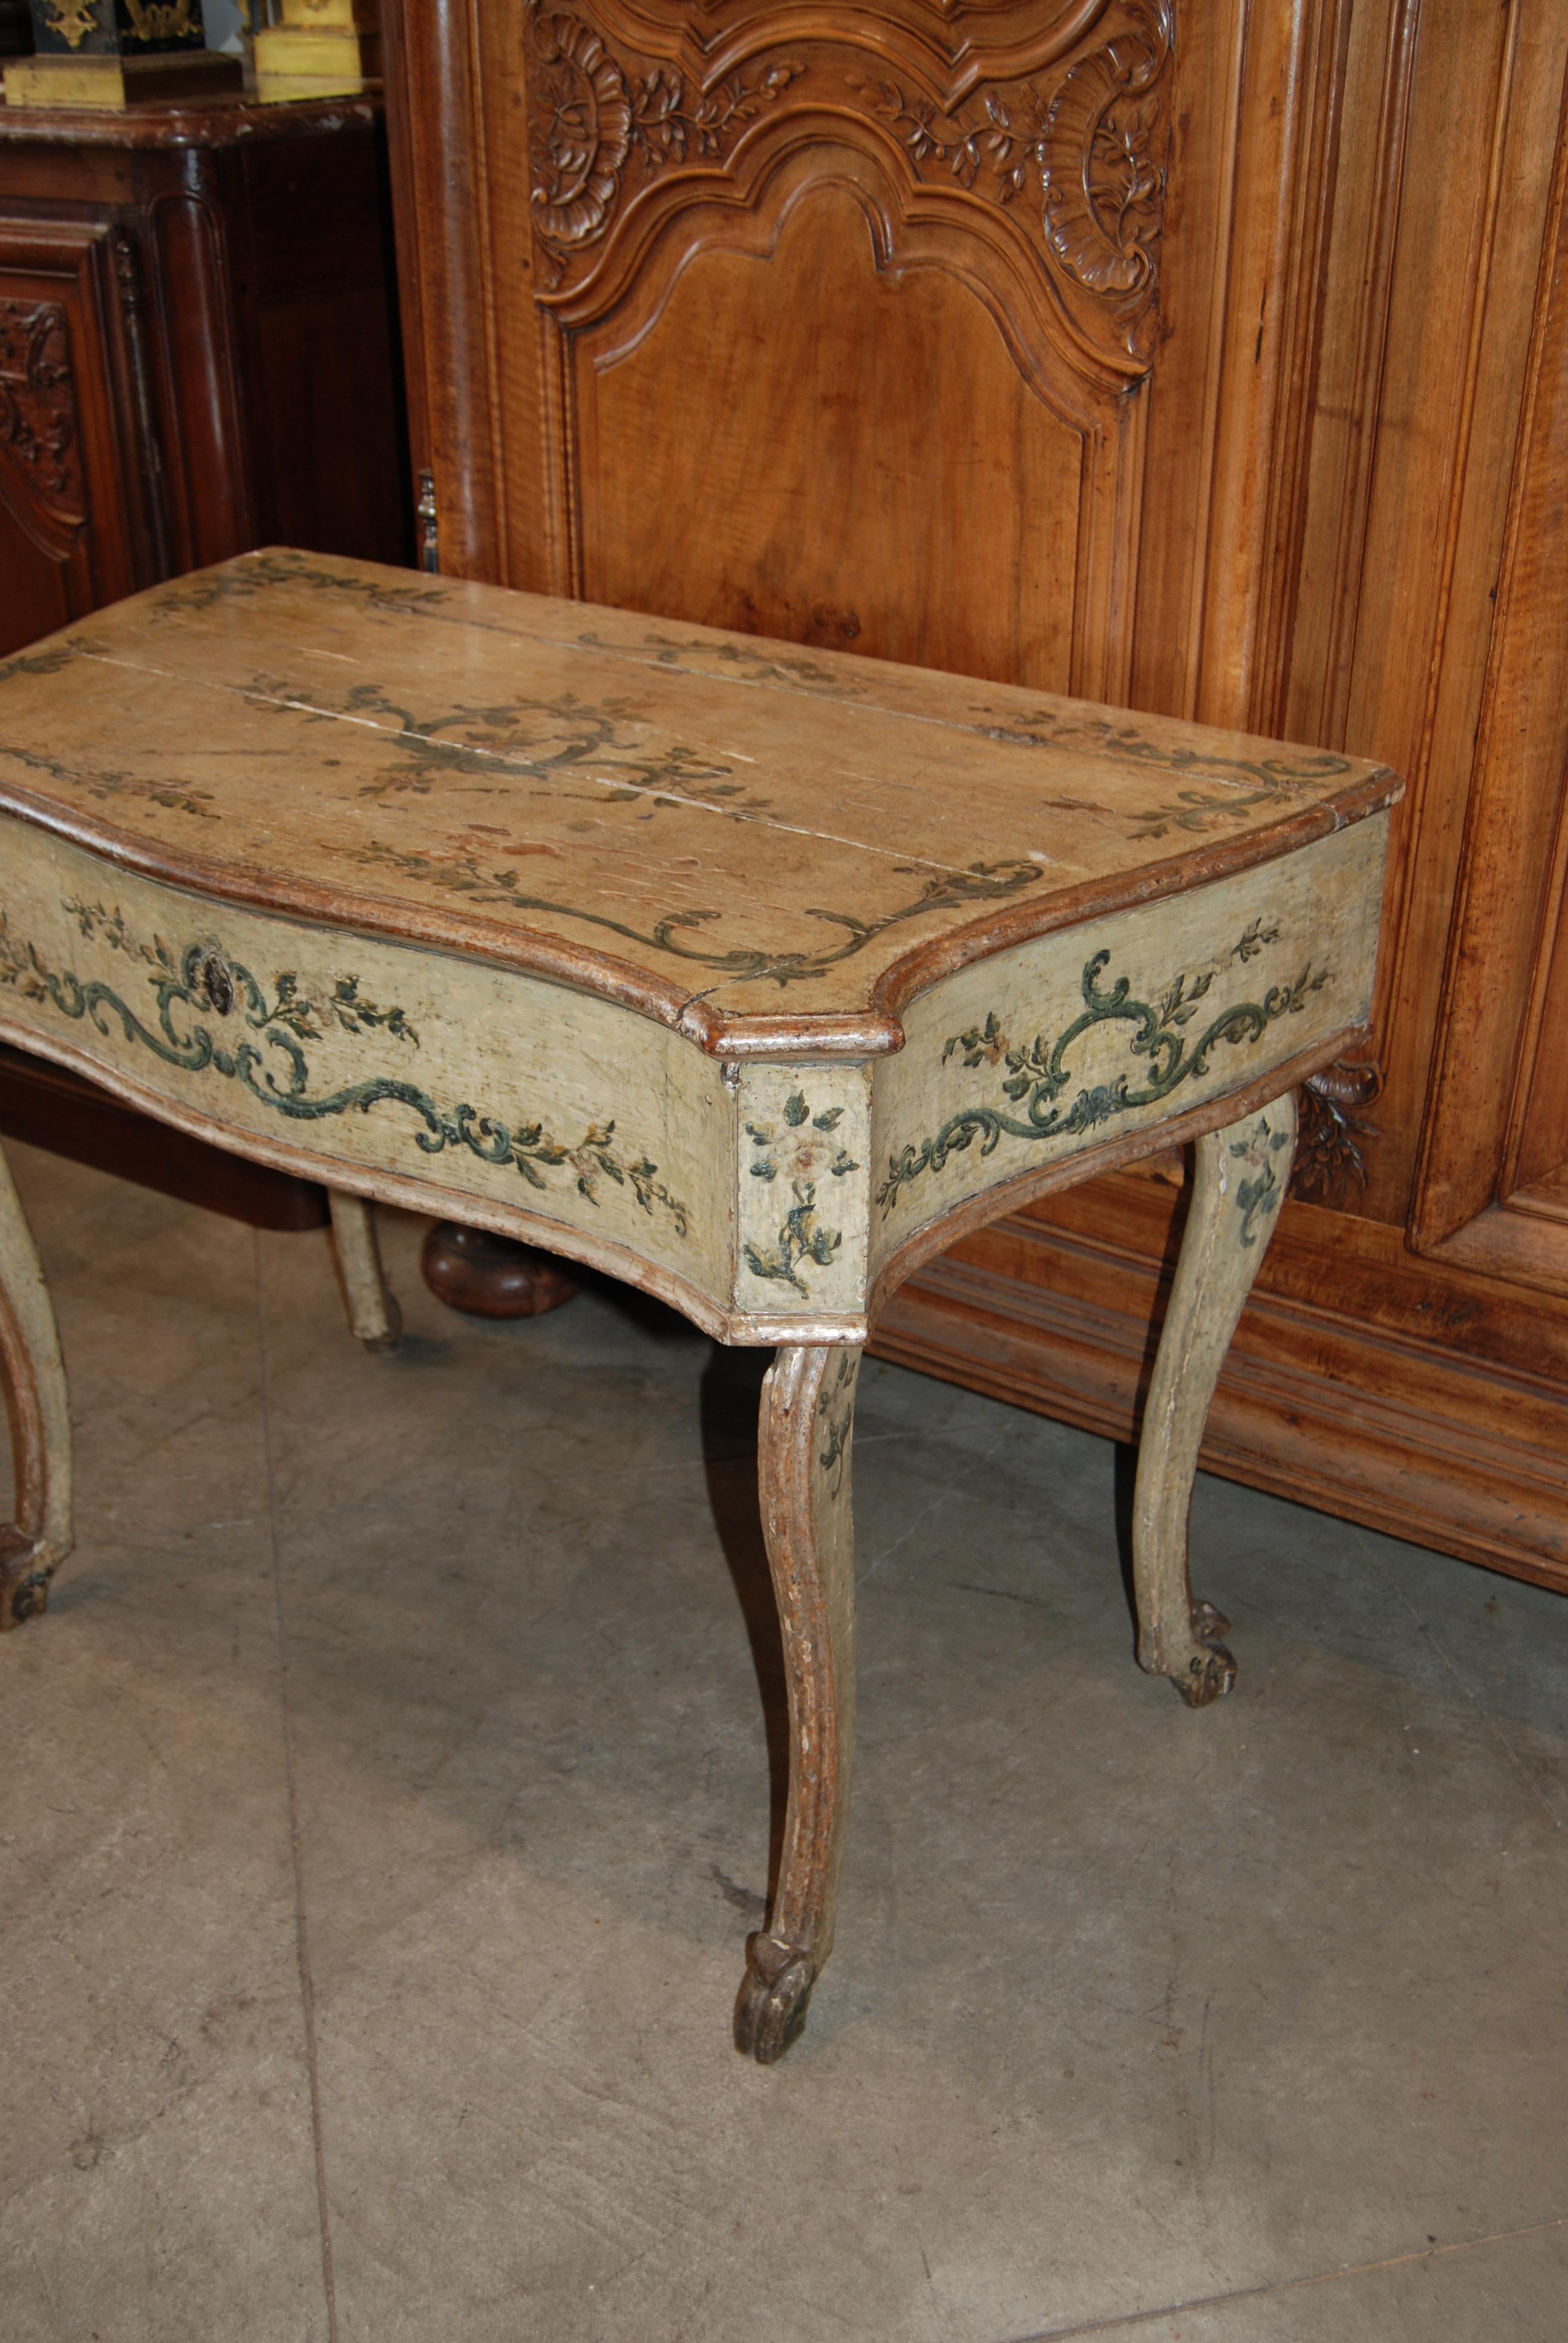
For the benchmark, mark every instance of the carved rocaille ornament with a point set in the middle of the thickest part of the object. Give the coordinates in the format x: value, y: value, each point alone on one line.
x: 37, y: 402
x: 1328, y: 1158
x: 1081, y: 158
x: 1089, y: 160
x: 591, y: 117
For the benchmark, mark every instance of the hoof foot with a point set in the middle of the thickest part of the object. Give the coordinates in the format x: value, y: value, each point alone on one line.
x: 775, y: 1994
x: 24, y: 1581
x: 1210, y: 1671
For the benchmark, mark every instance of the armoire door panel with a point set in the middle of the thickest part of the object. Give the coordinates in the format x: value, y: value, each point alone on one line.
x: 788, y: 483
x: 1496, y: 1121
x: 1067, y: 162
x: 1174, y: 351
x: 1542, y: 1157
x: 1484, y: 101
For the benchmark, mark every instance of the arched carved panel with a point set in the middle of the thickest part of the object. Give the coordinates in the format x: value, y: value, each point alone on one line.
x: 742, y: 446
x: 955, y: 42
x: 1063, y: 152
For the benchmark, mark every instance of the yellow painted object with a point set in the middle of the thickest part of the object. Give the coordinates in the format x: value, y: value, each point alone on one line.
x: 112, y: 84
x: 356, y: 15
x: 332, y: 53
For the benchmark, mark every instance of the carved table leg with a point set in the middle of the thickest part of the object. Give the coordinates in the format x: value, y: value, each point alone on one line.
x: 1238, y: 1179
x: 32, y: 1547
x: 807, y: 1419
x: 373, y: 1313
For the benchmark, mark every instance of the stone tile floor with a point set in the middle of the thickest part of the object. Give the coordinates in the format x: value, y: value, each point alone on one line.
x: 388, y: 1799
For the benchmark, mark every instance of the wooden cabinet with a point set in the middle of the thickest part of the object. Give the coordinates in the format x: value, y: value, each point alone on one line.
x: 1203, y: 355
x: 197, y: 347
x: 199, y: 353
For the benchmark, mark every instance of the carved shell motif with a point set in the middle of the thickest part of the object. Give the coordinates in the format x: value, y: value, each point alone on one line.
x: 591, y: 117
x: 1104, y: 188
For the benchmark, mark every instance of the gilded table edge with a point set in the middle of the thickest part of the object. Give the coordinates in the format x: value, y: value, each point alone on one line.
x: 878, y: 1032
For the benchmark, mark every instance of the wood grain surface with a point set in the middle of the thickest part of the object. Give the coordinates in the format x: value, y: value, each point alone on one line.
x: 1202, y: 357
x: 690, y: 820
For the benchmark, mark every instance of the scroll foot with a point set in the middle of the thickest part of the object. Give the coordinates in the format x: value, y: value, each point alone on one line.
x: 1240, y: 1178
x: 774, y: 1997
x: 25, y: 1572
x: 1210, y: 1670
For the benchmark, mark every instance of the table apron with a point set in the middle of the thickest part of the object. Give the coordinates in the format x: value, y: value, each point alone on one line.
x: 770, y: 1202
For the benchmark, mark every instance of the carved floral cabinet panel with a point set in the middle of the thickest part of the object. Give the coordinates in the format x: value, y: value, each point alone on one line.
x: 1202, y: 355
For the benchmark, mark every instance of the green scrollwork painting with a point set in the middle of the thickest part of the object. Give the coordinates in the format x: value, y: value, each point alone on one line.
x: 205, y: 980
x: 802, y: 1238
x: 500, y: 886
x: 1037, y: 1075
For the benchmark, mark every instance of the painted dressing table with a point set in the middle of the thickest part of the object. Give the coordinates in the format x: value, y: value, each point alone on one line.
x: 750, y: 975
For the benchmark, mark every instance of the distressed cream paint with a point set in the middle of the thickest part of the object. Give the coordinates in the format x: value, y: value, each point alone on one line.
x: 748, y: 975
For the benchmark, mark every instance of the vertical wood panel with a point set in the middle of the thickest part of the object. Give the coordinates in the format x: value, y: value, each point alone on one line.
x: 1495, y: 985
x: 1287, y: 510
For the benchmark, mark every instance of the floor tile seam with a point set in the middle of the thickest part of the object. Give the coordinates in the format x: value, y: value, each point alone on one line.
x: 301, y: 1938
x: 1509, y: 1751
x: 1120, y: 2322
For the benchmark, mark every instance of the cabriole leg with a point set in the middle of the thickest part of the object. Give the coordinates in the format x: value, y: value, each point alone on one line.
x: 32, y: 1547
x: 373, y: 1313
x: 807, y: 1419
x: 1238, y: 1179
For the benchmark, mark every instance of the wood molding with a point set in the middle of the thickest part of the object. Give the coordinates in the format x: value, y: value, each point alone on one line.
x: 1515, y: 850
x: 1073, y: 169
x: 1309, y: 525
x: 436, y: 140
x: 1362, y: 1416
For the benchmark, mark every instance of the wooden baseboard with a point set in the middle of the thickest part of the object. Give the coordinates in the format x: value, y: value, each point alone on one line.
x: 1393, y: 1392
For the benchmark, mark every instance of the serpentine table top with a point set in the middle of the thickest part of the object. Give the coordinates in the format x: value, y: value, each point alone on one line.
x: 752, y: 974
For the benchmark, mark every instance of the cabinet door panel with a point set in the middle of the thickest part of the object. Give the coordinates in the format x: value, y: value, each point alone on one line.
x: 751, y: 455
x: 64, y: 538
x: 1172, y: 352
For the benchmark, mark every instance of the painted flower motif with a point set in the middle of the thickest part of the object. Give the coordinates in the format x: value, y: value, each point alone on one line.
x: 805, y: 1148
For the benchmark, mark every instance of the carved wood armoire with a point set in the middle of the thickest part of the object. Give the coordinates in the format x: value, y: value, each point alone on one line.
x: 1207, y: 356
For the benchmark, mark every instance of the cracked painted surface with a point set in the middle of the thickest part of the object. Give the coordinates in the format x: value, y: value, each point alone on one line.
x: 273, y: 830
x: 1111, y: 1027
x: 366, y: 1054
x: 767, y: 828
